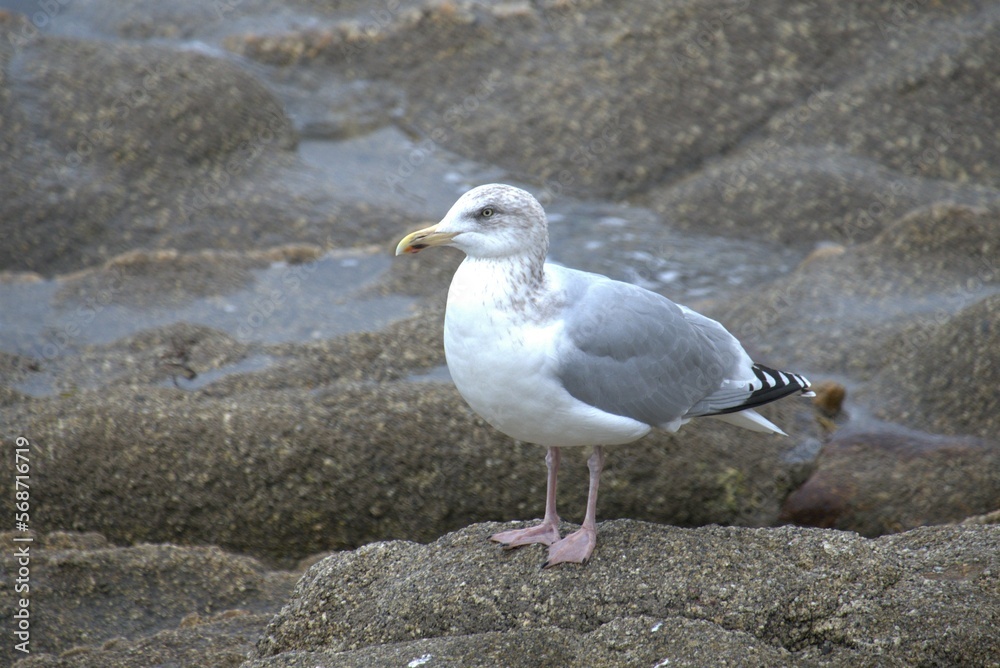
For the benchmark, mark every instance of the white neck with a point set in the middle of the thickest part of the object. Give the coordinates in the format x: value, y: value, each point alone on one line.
x: 508, y: 283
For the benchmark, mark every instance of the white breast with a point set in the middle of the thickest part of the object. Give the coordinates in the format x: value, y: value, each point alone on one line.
x: 502, y: 363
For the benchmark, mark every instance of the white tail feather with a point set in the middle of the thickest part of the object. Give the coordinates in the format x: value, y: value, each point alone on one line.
x: 750, y: 419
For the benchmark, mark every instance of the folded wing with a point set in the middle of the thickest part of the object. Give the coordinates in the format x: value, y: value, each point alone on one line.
x: 632, y: 352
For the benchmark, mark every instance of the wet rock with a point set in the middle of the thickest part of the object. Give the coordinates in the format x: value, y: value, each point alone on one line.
x: 917, y: 106
x: 80, y: 147
x: 786, y: 596
x: 877, y: 482
x: 84, y: 592
x: 914, y: 311
x: 845, y: 162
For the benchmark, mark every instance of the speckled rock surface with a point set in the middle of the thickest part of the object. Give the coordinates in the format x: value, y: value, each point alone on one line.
x: 963, y: 400
x: 635, y: 641
x: 803, y: 195
x: 208, y: 641
x: 83, y: 591
x: 783, y: 596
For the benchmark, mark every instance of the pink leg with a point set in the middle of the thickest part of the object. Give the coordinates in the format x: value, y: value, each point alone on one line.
x: 578, y: 546
x: 548, y: 531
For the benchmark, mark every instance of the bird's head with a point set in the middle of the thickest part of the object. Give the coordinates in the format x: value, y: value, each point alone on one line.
x: 491, y: 221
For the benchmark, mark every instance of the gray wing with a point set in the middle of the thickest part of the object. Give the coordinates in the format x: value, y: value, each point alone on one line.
x: 632, y: 352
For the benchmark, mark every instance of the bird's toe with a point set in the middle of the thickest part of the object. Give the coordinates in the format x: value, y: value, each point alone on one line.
x: 575, y: 548
x: 544, y: 533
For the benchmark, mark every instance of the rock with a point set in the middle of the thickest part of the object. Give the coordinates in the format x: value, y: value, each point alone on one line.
x: 877, y: 482
x: 635, y: 641
x: 84, y: 591
x: 942, y: 375
x: 211, y: 641
x: 853, y: 156
x: 917, y: 106
x: 801, y: 196
x: 829, y: 399
x: 786, y: 596
x: 95, y: 153
x: 992, y: 517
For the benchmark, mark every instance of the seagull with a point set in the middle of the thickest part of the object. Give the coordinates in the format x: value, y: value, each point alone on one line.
x: 565, y: 358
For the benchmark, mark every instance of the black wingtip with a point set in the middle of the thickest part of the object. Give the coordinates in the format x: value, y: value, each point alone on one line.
x: 774, y: 385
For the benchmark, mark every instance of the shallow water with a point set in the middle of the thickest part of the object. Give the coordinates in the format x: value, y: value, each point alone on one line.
x: 388, y: 167
x: 283, y: 303
x: 206, y: 378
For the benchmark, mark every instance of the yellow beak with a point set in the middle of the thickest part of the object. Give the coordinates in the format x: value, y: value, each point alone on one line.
x: 421, y: 239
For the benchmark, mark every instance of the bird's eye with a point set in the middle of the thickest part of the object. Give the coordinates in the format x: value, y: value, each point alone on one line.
x: 486, y: 212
